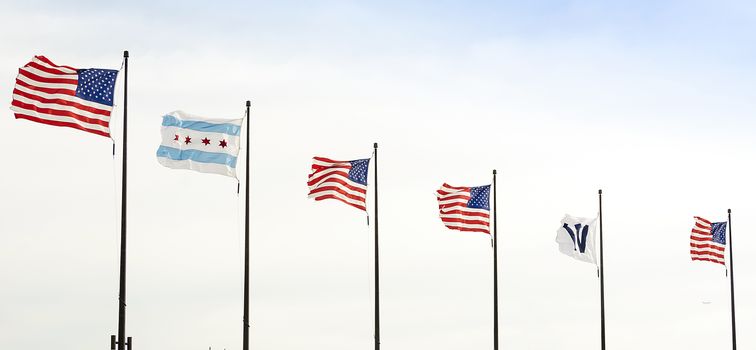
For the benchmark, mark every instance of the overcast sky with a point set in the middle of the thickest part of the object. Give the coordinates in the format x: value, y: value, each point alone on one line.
x: 651, y: 101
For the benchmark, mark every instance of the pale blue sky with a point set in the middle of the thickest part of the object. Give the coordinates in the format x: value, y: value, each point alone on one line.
x: 687, y: 30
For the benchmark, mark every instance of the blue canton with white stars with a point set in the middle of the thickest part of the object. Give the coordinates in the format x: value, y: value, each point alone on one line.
x: 359, y: 171
x: 96, y: 85
x: 479, y: 197
x: 719, y: 232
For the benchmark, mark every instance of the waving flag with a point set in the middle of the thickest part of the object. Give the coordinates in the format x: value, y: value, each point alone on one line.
x: 345, y: 181
x: 575, y: 238
x: 464, y: 208
x: 65, y: 96
x: 708, y: 241
x: 200, y: 144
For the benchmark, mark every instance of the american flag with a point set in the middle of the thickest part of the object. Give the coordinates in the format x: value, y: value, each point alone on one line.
x: 708, y: 241
x: 65, y: 96
x: 464, y: 208
x: 341, y: 180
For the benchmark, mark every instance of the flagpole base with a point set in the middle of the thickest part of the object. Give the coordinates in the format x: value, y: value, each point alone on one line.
x: 113, y: 342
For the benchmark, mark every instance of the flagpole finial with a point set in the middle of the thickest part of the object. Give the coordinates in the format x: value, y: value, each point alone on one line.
x: 126, y: 53
x: 729, y: 211
x: 249, y: 103
x: 494, y: 171
x: 600, y: 191
x: 375, y: 144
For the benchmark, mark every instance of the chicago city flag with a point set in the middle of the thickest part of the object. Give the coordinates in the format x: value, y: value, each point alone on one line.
x: 65, y: 96
x: 575, y: 238
x: 201, y: 144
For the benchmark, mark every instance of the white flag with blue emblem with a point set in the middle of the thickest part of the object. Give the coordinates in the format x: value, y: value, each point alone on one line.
x: 201, y: 144
x: 575, y: 238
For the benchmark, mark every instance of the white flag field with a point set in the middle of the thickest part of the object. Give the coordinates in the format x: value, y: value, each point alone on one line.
x: 575, y: 238
x: 200, y: 144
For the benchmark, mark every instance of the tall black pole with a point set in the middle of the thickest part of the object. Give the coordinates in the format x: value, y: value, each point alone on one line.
x: 495, y: 271
x: 601, y: 273
x: 732, y: 282
x: 375, y: 200
x: 122, y: 284
x: 245, y: 346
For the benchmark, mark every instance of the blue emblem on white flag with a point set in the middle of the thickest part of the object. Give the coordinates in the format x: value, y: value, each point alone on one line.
x: 575, y: 238
x: 200, y: 144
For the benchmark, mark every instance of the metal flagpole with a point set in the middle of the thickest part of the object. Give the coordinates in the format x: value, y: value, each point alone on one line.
x: 245, y: 345
x: 732, y: 282
x: 495, y: 272
x: 121, y: 343
x: 601, y: 273
x: 375, y: 198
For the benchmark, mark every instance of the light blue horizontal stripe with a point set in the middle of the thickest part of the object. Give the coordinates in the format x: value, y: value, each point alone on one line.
x: 197, y: 156
x: 223, y: 128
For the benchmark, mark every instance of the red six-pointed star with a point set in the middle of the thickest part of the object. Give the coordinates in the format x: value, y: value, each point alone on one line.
x: 205, y: 141
x: 188, y: 140
x: 223, y: 144
x: 175, y: 137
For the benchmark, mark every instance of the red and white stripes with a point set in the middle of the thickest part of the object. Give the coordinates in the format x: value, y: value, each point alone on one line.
x: 455, y: 212
x: 46, y: 93
x: 329, y: 179
x: 702, y: 245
